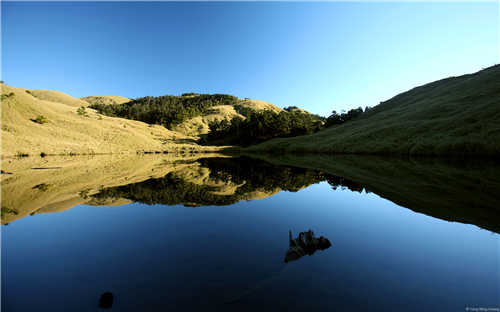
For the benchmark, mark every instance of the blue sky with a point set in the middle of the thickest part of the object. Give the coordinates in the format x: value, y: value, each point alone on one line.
x: 319, y: 56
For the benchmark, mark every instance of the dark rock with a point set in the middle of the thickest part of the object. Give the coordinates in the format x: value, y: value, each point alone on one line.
x: 305, y: 243
x: 106, y: 300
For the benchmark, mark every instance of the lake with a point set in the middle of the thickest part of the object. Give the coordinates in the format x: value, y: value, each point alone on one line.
x: 168, y: 233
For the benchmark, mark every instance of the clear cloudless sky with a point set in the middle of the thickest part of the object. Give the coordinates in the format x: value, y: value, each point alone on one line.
x: 319, y: 56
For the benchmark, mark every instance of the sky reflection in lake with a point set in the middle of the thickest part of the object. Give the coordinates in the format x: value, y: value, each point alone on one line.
x: 158, y: 257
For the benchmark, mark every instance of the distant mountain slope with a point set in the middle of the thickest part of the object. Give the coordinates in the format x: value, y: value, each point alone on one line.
x: 296, y: 109
x: 106, y: 99
x: 258, y: 105
x: 200, y: 124
x: 458, y: 115
x: 190, y: 113
x: 32, y: 126
x: 57, y: 97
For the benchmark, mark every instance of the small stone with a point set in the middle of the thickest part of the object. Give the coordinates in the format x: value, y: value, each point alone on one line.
x: 106, y: 300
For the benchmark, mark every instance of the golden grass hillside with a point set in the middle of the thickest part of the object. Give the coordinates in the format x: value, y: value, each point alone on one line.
x: 258, y: 105
x: 63, y: 131
x: 57, y: 97
x: 199, y: 125
x: 453, y: 116
x: 106, y: 99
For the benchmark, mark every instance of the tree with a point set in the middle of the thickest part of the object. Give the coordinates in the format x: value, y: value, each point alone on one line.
x: 336, y: 119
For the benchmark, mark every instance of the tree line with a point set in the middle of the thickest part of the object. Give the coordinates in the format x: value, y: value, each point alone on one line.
x: 253, y: 175
x: 255, y: 127
x: 265, y: 125
x: 336, y: 119
x: 261, y: 126
x: 167, y: 110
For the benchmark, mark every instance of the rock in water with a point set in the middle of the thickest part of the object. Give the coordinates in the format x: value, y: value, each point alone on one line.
x: 106, y: 300
x: 305, y: 243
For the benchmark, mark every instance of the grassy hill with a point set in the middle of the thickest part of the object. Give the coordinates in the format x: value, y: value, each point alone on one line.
x: 458, y: 115
x: 190, y: 113
x: 57, y: 97
x: 38, y: 121
x: 105, y: 99
x: 199, y: 125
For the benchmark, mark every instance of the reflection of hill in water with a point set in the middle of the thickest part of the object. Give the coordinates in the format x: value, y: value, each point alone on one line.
x: 215, y: 181
x: 463, y: 192
x: 118, y: 180
x: 72, y: 180
x: 452, y: 190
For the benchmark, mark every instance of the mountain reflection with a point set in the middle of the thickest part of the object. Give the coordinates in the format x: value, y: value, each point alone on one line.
x: 467, y: 193
x: 226, y: 182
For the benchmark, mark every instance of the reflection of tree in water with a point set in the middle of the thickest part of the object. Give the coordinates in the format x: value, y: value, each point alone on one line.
x: 260, y: 174
x: 169, y: 190
x: 305, y: 244
x: 250, y: 174
x: 341, y: 182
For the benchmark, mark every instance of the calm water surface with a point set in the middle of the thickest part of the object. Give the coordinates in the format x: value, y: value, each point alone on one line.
x: 190, y: 242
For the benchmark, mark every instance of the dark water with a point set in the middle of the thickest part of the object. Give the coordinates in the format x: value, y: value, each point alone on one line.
x: 185, y: 246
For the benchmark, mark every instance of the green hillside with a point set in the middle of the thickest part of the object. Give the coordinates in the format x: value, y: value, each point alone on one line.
x: 457, y: 115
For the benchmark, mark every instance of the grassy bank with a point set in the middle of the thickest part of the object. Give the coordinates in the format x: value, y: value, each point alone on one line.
x: 453, y: 116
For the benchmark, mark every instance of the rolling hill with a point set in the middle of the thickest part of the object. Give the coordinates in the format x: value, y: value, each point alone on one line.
x: 199, y: 125
x: 453, y: 116
x: 190, y: 113
x: 57, y: 97
x: 105, y: 99
x: 46, y: 122
x: 37, y: 122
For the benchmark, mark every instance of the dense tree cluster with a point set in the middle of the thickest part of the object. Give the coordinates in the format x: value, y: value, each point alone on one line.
x: 292, y: 109
x: 338, y: 119
x: 261, y: 126
x: 166, y: 110
x: 254, y: 174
